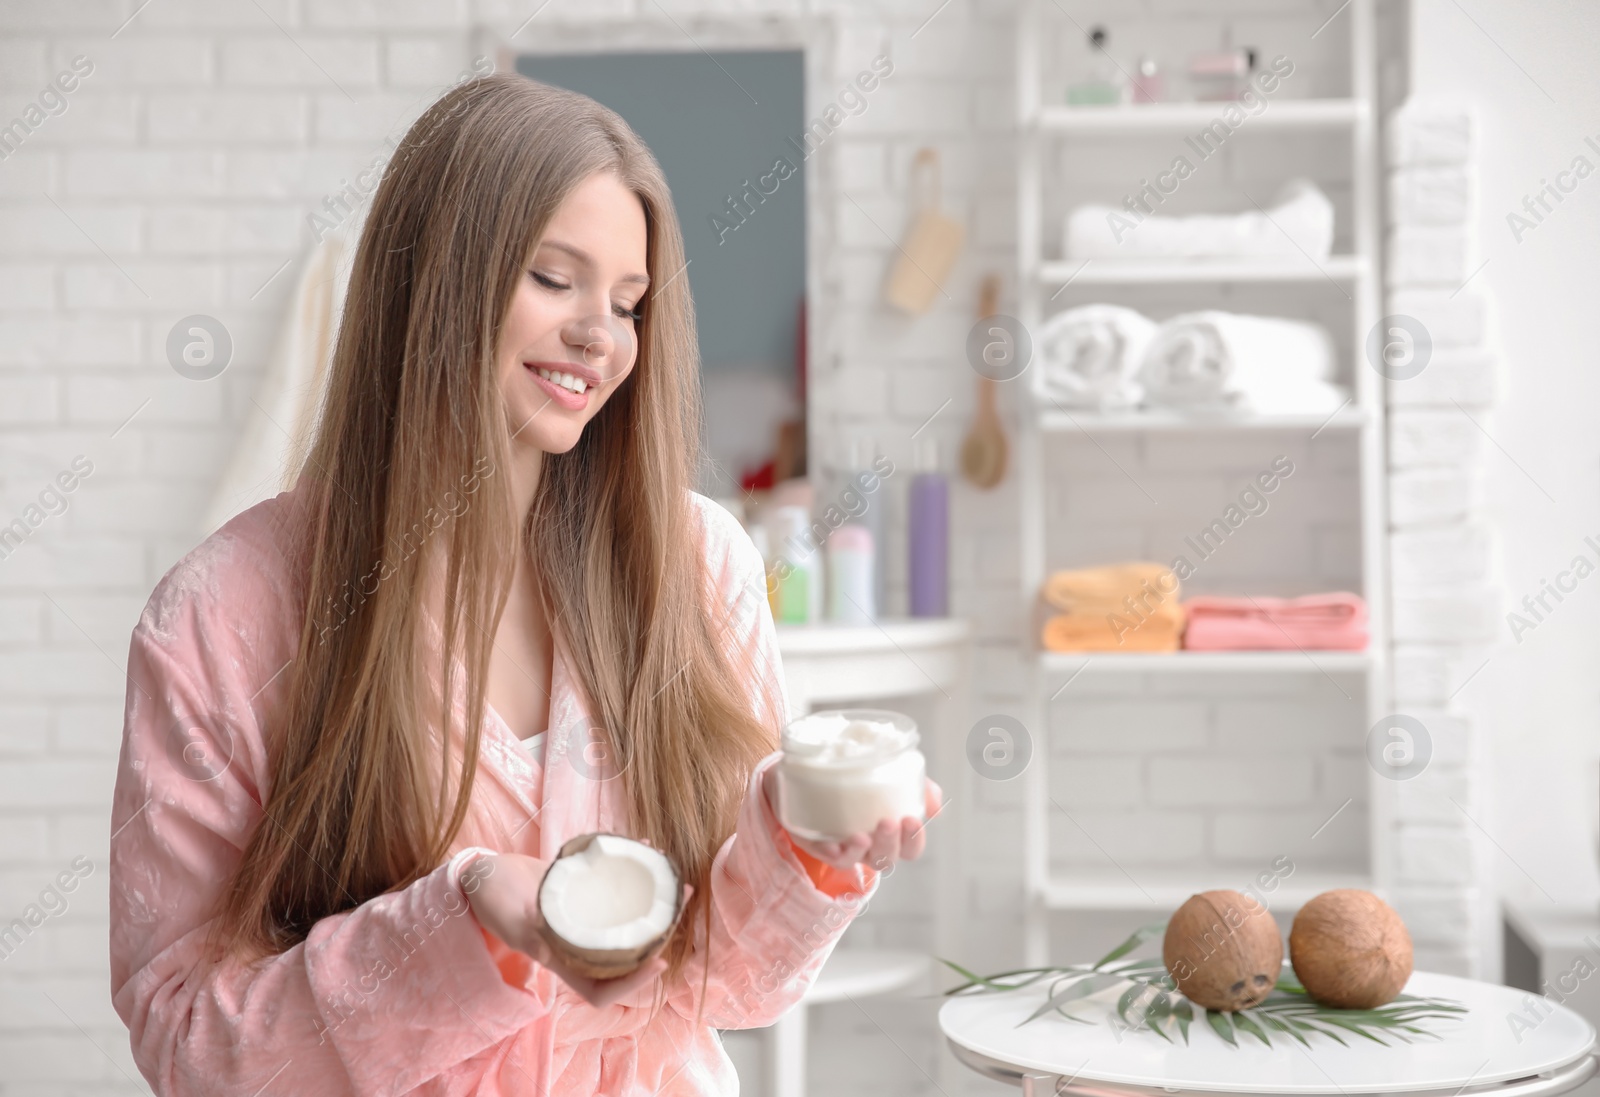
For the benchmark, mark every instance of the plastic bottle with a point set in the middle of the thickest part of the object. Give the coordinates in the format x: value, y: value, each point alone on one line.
x: 850, y: 556
x: 1102, y: 85
x: 860, y: 492
x: 1149, y: 86
x: 794, y: 596
x: 798, y: 564
x: 758, y: 535
x: 929, y: 535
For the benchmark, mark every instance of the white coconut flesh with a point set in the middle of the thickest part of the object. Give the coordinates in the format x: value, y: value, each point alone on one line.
x: 615, y: 895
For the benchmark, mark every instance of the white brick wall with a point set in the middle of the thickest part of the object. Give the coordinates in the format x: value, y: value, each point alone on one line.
x: 184, y: 169
x: 179, y: 180
x: 1444, y: 570
x: 1209, y: 777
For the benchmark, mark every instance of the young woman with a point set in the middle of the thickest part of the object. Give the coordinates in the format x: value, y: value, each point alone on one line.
x: 491, y: 616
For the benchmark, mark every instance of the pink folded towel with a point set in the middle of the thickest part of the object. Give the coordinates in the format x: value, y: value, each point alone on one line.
x: 1325, y: 622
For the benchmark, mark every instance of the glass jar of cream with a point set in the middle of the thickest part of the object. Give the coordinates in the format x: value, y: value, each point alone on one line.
x: 844, y: 771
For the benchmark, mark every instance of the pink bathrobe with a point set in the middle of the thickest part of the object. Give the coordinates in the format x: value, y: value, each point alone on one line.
x: 406, y: 994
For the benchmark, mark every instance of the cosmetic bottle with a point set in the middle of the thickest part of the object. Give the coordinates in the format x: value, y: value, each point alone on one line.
x: 1148, y: 84
x: 862, y: 496
x: 763, y: 543
x: 1221, y: 75
x: 850, y: 556
x: 798, y: 565
x: 929, y: 534
x: 1101, y: 86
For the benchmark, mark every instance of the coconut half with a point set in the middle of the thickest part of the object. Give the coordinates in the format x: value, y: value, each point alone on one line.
x: 608, y: 904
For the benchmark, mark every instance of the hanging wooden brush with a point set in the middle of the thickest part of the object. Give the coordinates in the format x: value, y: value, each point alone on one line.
x: 985, y: 450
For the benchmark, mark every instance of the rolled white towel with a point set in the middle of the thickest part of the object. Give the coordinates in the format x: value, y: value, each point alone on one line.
x: 1223, y: 360
x: 1088, y: 357
x: 1299, y: 221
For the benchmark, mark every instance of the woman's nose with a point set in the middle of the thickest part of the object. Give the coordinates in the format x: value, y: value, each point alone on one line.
x: 604, y: 342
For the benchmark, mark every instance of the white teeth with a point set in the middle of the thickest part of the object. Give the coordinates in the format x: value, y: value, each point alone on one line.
x: 565, y: 380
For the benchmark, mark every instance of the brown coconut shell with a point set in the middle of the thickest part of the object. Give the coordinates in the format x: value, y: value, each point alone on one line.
x: 1223, y: 950
x: 1350, y: 949
x: 595, y: 963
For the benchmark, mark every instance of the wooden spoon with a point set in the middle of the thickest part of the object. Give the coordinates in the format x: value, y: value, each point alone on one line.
x: 984, y: 452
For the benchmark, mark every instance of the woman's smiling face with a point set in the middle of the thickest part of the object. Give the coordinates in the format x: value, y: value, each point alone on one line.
x: 570, y: 336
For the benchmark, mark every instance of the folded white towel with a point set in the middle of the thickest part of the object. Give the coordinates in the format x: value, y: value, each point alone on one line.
x: 1299, y: 221
x: 1088, y: 357
x: 1222, y: 361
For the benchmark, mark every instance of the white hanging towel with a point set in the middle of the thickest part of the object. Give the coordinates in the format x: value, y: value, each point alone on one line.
x: 277, y: 427
x: 1299, y: 223
x: 1227, y: 361
x: 1089, y: 357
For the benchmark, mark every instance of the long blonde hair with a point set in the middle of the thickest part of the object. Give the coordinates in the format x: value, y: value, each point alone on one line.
x: 360, y: 801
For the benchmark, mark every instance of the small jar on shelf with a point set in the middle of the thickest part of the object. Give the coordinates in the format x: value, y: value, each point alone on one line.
x: 1221, y: 76
x: 1102, y: 84
x: 1149, y: 86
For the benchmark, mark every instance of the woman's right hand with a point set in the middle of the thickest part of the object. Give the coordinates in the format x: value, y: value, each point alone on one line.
x: 504, y: 898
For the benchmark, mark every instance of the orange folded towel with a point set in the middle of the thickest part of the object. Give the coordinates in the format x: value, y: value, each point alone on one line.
x: 1104, y: 590
x: 1159, y: 629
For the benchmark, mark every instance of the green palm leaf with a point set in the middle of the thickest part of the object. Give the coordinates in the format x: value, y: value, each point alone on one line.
x: 1129, y: 996
x: 1139, y: 937
x: 1223, y: 1025
x: 1304, y: 1026
x: 992, y: 982
x: 1353, y: 1026
x: 1243, y: 1021
x: 1283, y: 1026
x: 1184, y: 1012
x: 1076, y: 987
x: 1157, y: 1012
x: 1149, y: 998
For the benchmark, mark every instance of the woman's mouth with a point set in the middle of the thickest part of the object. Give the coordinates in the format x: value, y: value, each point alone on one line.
x: 567, y: 389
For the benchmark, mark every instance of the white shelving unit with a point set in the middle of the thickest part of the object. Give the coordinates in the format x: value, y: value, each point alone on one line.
x: 1039, y: 281
x: 1346, y: 418
x: 1298, y: 114
x: 1165, y: 892
x: 1208, y: 662
x: 1091, y: 272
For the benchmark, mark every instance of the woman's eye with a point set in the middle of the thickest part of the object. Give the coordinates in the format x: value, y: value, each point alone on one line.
x: 625, y: 313
x: 547, y: 282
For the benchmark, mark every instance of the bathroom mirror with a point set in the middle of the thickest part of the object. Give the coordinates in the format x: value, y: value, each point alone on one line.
x: 718, y: 123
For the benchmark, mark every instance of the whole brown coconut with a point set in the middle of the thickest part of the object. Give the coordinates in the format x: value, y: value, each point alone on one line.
x: 1223, y: 950
x: 1350, y: 949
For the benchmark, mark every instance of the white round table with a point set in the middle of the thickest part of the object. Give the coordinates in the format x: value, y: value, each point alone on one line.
x: 849, y: 975
x: 835, y: 664
x: 1481, y: 1050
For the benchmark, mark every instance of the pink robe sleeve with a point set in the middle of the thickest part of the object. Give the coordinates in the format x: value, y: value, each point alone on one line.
x: 772, y: 928
x: 381, y: 999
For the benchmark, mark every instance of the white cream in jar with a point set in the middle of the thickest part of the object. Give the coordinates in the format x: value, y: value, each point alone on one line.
x: 844, y: 771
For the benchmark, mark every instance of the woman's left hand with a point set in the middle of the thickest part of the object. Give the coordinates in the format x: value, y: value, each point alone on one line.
x: 893, y: 840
